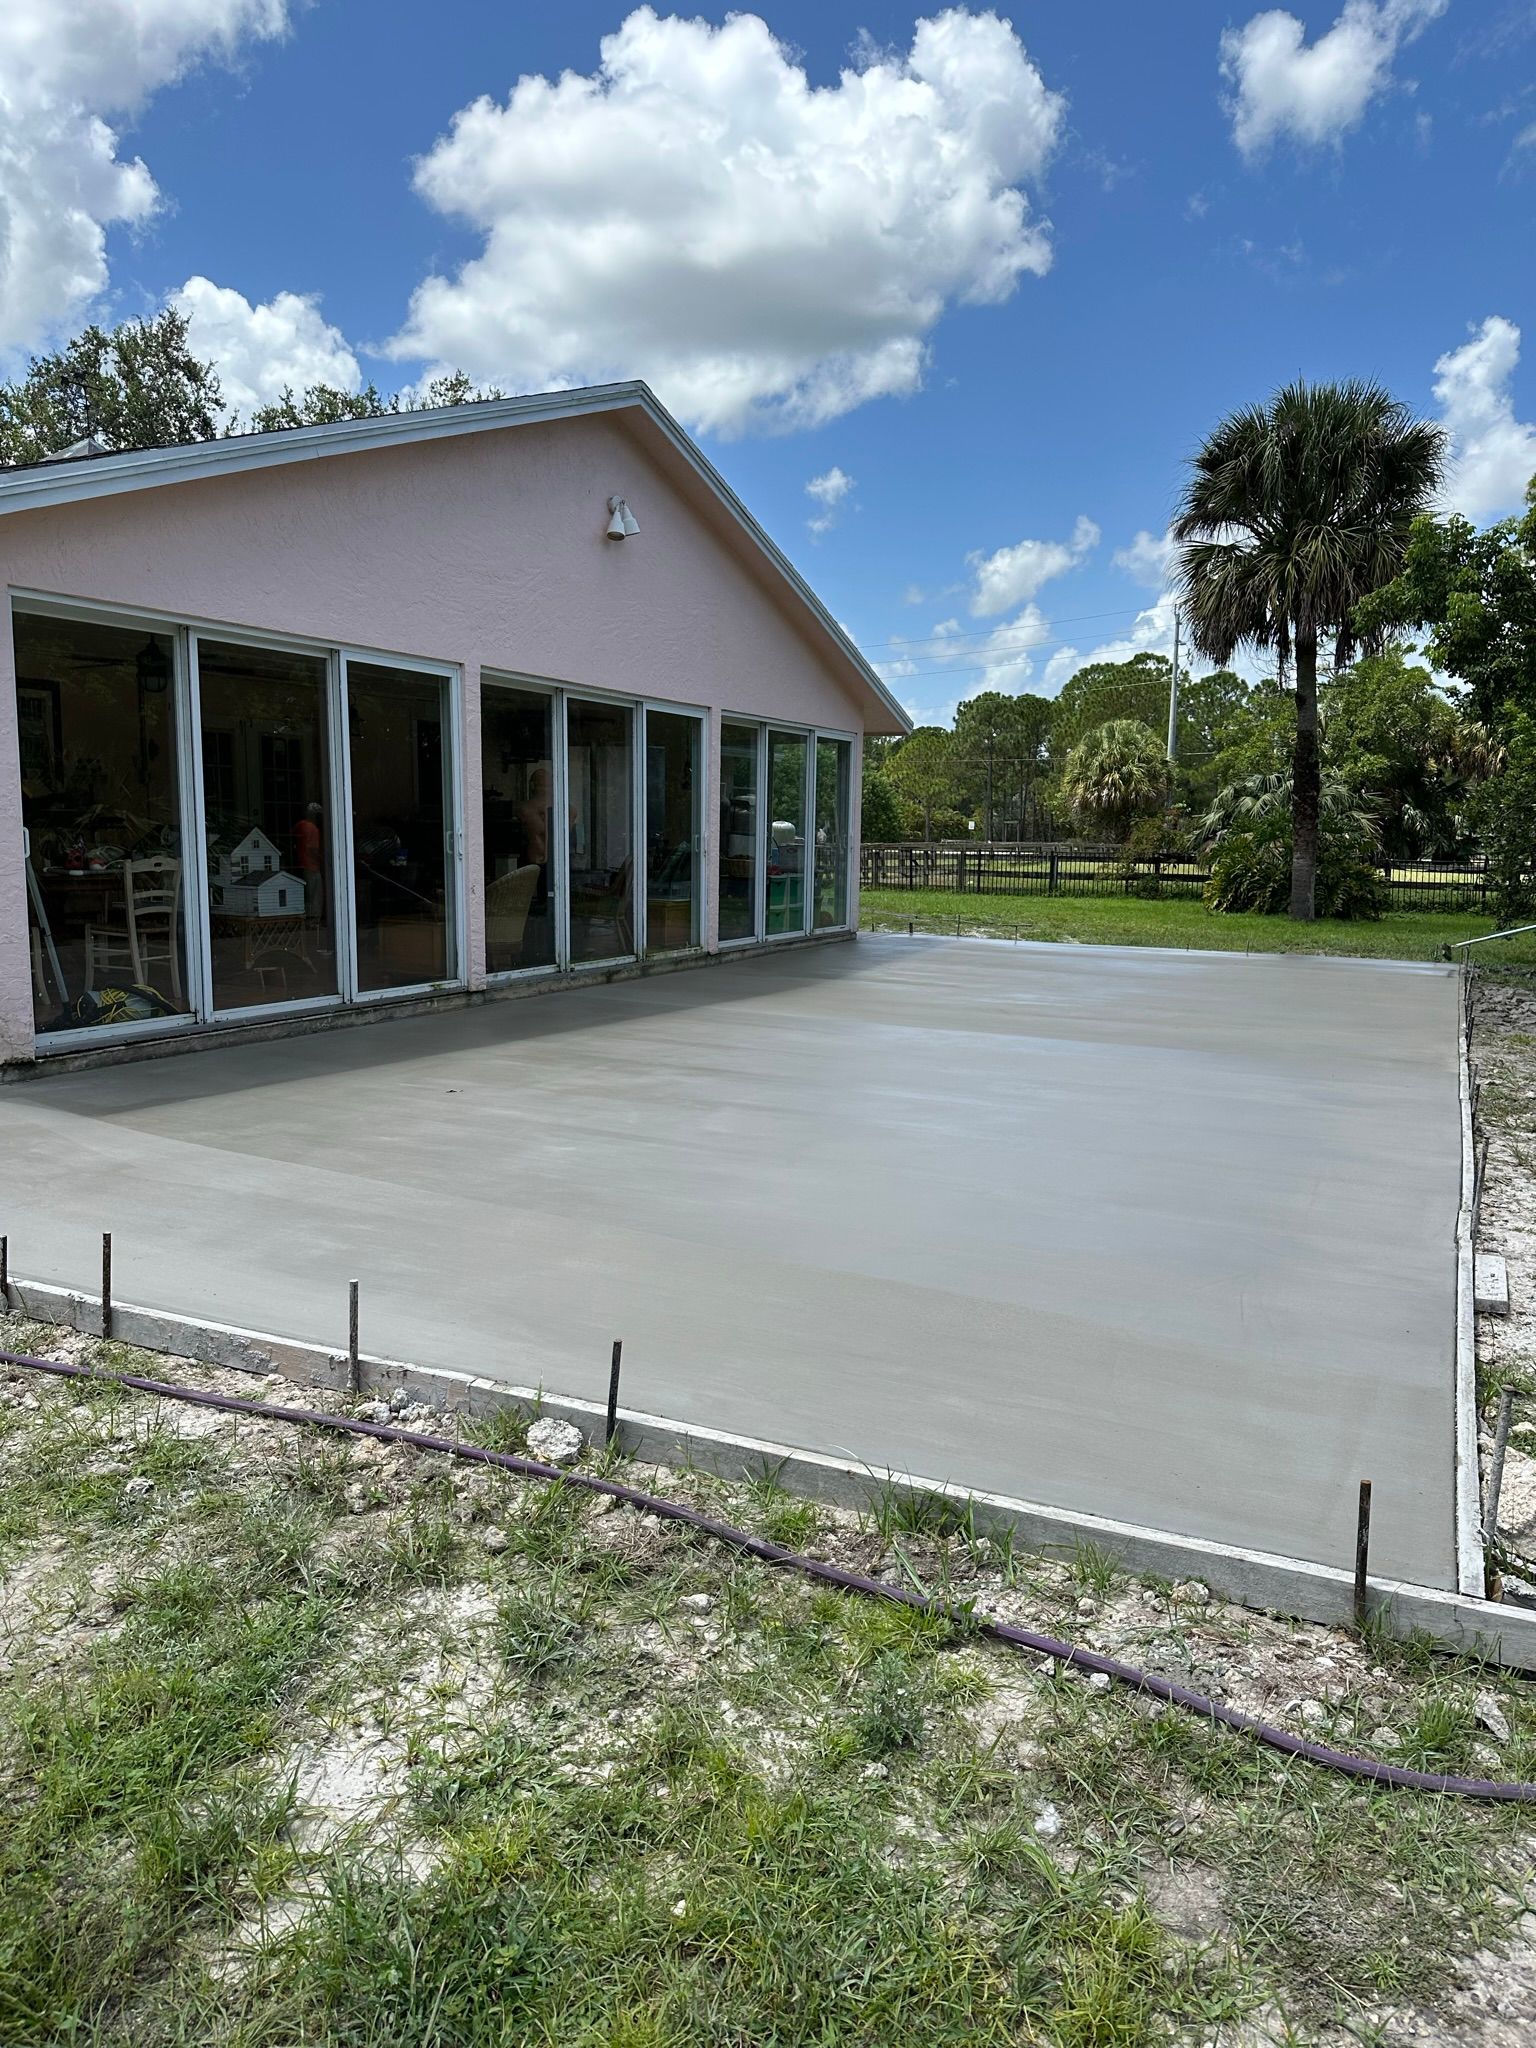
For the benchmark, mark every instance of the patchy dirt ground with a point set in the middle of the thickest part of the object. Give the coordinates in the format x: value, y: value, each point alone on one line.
x: 1504, y: 1063
x: 312, y: 1738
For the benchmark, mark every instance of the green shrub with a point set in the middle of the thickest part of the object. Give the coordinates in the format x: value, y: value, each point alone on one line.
x: 1251, y: 869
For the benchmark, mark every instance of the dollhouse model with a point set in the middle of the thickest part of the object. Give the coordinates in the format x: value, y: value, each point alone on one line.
x: 250, y: 881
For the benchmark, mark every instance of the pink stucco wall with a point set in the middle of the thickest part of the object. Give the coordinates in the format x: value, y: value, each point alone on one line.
x: 485, y: 550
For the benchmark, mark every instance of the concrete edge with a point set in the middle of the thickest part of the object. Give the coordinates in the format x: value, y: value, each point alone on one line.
x: 1471, y: 1563
x: 201, y: 1035
x: 1391, y: 962
x: 1253, y: 1578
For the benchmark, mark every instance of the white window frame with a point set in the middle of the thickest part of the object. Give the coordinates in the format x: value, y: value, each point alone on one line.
x: 812, y: 735
x: 559, y: 849
x: 454, y: 903
x: 702, y: 785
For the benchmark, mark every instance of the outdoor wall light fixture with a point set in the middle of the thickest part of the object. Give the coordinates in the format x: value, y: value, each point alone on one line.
x: 623, y: 522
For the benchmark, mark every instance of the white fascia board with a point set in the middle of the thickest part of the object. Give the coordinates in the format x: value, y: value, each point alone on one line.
x: 62, y: 483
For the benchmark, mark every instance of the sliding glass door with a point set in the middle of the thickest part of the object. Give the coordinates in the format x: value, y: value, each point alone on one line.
x: 788, y: 755
x: 673, y: 831
x: 399, y: 759
x: 517, y: 799
x: 736, y: 842
x: 265, y: 733
x: 834, y: 769
x: 105, y: 817
x: 600, y: 758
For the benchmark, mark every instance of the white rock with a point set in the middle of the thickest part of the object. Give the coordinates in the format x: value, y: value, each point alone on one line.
x: 679, y: 1909
x: 1086, y: 1607
x: 374, y: 1411
x: 554, y: 1442
x: 1192, y: 1589
x: 399, y: 1399
x: 1047, y: 1821
x: 494, y: 1540
x: 1386, y: 1738
x: 1490, y: 1715
x: 139, y: 1489
x: 700, y: 1602
x: 1313, y: 1712
x: 356, y: 1499
x: 1099, y: 1681
x: 1047, y: 1667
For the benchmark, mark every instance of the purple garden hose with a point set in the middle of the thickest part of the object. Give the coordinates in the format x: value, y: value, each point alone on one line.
x: 1369, y: 1768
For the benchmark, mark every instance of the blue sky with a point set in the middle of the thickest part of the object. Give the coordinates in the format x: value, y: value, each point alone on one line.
x: 988, y: 278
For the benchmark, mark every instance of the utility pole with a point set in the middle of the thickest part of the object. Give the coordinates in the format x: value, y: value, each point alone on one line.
x: 1173, y: 695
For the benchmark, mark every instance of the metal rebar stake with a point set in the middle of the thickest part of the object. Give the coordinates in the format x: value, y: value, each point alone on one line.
x: 5, y: 1272
x: 1362, y: 1551
x: 1496, y: 1464
x: 354, y: 1379
x: 611, y: 1430
x: 106, y: 1283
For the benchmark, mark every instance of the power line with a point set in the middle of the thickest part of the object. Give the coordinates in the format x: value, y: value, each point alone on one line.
x: 986, y: 632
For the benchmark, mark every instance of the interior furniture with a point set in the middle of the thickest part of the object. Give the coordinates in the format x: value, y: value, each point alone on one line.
x: 148, y: 936
x: 507, y: 902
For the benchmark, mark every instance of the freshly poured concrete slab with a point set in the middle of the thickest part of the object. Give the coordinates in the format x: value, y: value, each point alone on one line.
x: 1162, y: 1237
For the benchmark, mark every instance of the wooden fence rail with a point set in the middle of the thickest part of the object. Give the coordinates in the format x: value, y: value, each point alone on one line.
x: 1075, y: 868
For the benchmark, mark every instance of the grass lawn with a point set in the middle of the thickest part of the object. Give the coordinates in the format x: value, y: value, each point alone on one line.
x: 311, y: 1740
x: 1134, y: 921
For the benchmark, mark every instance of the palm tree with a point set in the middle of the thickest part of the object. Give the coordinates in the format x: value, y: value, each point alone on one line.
x: 1297, y: 510
x: 1116, y: 774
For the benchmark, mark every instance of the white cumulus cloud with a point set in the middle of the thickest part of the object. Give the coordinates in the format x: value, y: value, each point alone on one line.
x: 1152, y: 633
x: 68, y: 70
x: 765, y: 252
x: 1493, y: 454
x: 1011, y: 575
x: 829, y: 490
x: 1147, y: 559
x: 260, y: 350
x: 1314, y: 92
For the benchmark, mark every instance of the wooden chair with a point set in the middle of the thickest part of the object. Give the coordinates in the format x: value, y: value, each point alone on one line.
x: 507, y: 901
x: 151, y: 930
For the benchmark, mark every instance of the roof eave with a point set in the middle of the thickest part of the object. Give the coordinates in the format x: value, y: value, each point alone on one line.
x: 44, y: 485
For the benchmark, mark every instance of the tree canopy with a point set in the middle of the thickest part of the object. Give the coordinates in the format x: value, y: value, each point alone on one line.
x: 1115, y: 774
x: 140, y: 385
x: 1475, y: 592
x: 1294, y: 513
x: 134, y: 386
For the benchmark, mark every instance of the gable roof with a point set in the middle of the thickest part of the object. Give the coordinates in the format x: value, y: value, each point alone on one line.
x: 69, y: 479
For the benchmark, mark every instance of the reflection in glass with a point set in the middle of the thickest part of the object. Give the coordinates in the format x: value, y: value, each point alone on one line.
x: 517, y: 809
x: 787, y: 755
x: 834, y: 760
x: 396, y: 737
x: 100, y: 801
x: 738, y: 831
x: 266, y: 793
x: 671, y: 832
x: 602, y: 805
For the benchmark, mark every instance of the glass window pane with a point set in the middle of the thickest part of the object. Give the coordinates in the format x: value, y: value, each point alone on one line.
x: 266, y: 793
x: 833, y: 765
x: 671, y: 831
x: 517, y: 797
x: 738, y: 831
x: 100, y: 800
x: 602, y: 839
x: 787, y: 757
x: 397, y: 742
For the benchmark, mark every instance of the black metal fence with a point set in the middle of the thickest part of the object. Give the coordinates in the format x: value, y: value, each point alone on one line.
x: 1076, y: 868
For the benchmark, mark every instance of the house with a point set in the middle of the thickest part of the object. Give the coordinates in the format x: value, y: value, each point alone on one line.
x: 255, y: 855
x: 429, y: 652
x: 279, y: 895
